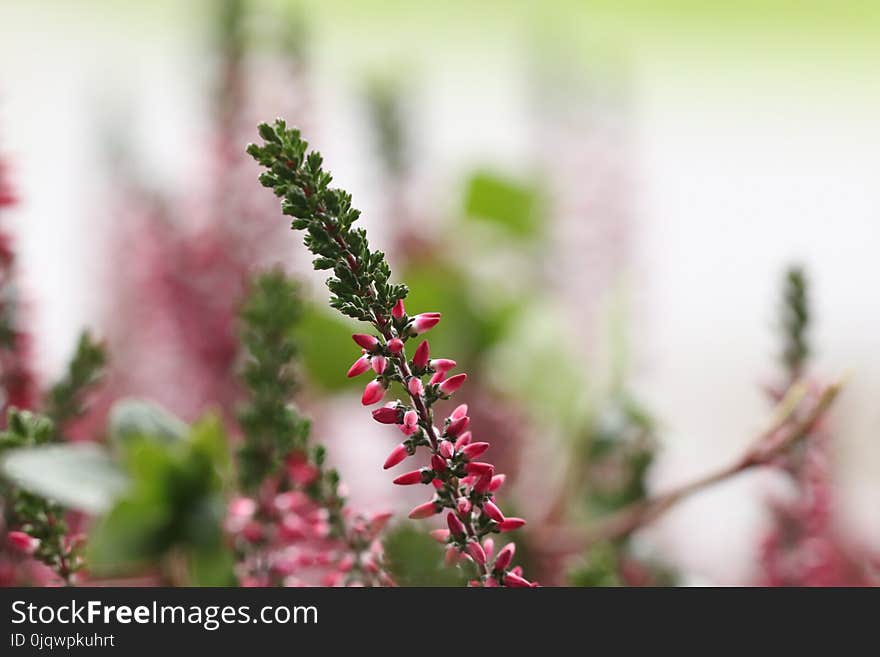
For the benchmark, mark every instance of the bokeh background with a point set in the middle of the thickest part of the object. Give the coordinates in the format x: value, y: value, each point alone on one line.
x: 602, y: 198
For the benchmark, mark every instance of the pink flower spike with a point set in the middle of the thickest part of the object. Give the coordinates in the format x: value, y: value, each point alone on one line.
x: 396, y: 456
x: 420, y: 359
x: 443, y: 364
x: 446, y: 449
x: 410, y: 478
x: 453, y: 383
x: 458, y: 426
x: 425, y: 510
x: 456, y: 527
x: 438, y: 463
x: 359, y: 366
x: 368, y: 342
x: 378, y: 363
x: 415, y: 387
x: 460, y: 411
x: 440, y: 535
x: 480, y: 468
x: 477, y: 552
x: 395, y: 345
x: 505, y: 556
x: 493, y: 511
x: 510, y: 524
x: 463, y: 439
x: 515, y: 581
x: 398, y: 311
x: 386, y: 415
x: 474, y: 450
x: 373, y: 393
x: 23, y: 542
x: 424, y: 322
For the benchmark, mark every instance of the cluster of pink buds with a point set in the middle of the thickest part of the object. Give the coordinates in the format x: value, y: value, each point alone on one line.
x: 464, y: 486
x: 289, y: 538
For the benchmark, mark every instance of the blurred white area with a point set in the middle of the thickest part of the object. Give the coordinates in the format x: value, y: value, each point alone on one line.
x: 745, y: 163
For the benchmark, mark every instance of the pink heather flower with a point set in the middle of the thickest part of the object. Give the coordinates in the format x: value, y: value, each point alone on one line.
x: 443, y: 364
x: 460, y: 411
x: 398, y: 311
x: 491, y: 583
x: 463, y: 505
x: 497, y: 482
x: 23, y: 542
x: 368, y: 342
x: 463, y: 439
x: 477, y: 552
x: 509, y: 524
x: 359, y: 366
x: 300, y: 470
x: 396, y: 456
x: 482, y: 484
x: 378, y: 363
x: 420, y: 359
x: 438, y: 463
x: 480, y: 468
x: 446, y: 449
x: 452, y: 384
x: 241, y: 508
x: 437, y: 483
x: 410, y: 423
x: 437, y: 377
x: 424, y: 322
x: 379, y: 520
x: 489, y: 547
x: 415, y: 387
x: 516, y: 581
x: 386, y: 415
x: 440, y: 535
x: 410, y: 478
x: 505, y: 556
x: 425, y: 510
x: 453, y: 556
x: 395, y: 345
x: 457, y: 426
x: 456, y: 527
x: 473, y: 450
x: 493, y: 511
x: 373, y: 393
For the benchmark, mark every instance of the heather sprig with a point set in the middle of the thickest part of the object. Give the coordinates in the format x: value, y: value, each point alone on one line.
x: 464, y: 487
x: 795, y: 322
x: 67, y: 399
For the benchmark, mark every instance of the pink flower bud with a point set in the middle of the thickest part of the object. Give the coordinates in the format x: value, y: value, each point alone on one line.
x: 410, y: 478
x: 446, y: 449
x: 477, y: 552
x: 453, y: 556
x: 481, y: 486
x: 510, y: 524
x: 438, y: 464
x: 425, y: 510
x: 373, y: 393
x: 410, y: 423
x: 379, y: 520
x: 396, y: 456
x: 489, y: 547
x: 463, y: 439
x: 456, y: 527
x: 463, y: 505
x: 443, y: 364
x: 453, y: 383
x: 386, y: 415
x: 480, y: 468
x: 420, y: 359
x: 240, y: 508
x: 515, y: 581
x: 437, y: 377
x: 424, y: 322
x: 493, y: 511
x: 491, y: 583
x: 460, y: 411
x: 440, y: 535
x: 473, y: 450
x: 457, y: 426
x: 398, y: 311
x: 378, y: 363
x: 437, y: 483
x: 23, y: 542
x: 505, y: 556
x: 415, y: 387
x: 395, y: 345
x: 359, y: 366
x: 497, y: 482
x: 368, y: 342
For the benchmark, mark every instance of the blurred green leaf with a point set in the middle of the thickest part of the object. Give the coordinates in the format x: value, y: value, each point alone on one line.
x: 326, y: 349
x: 81, y: 476
x: 134, y: 418
x: 507, y: 203
x: 600, y: 567
x: 416, y: 559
